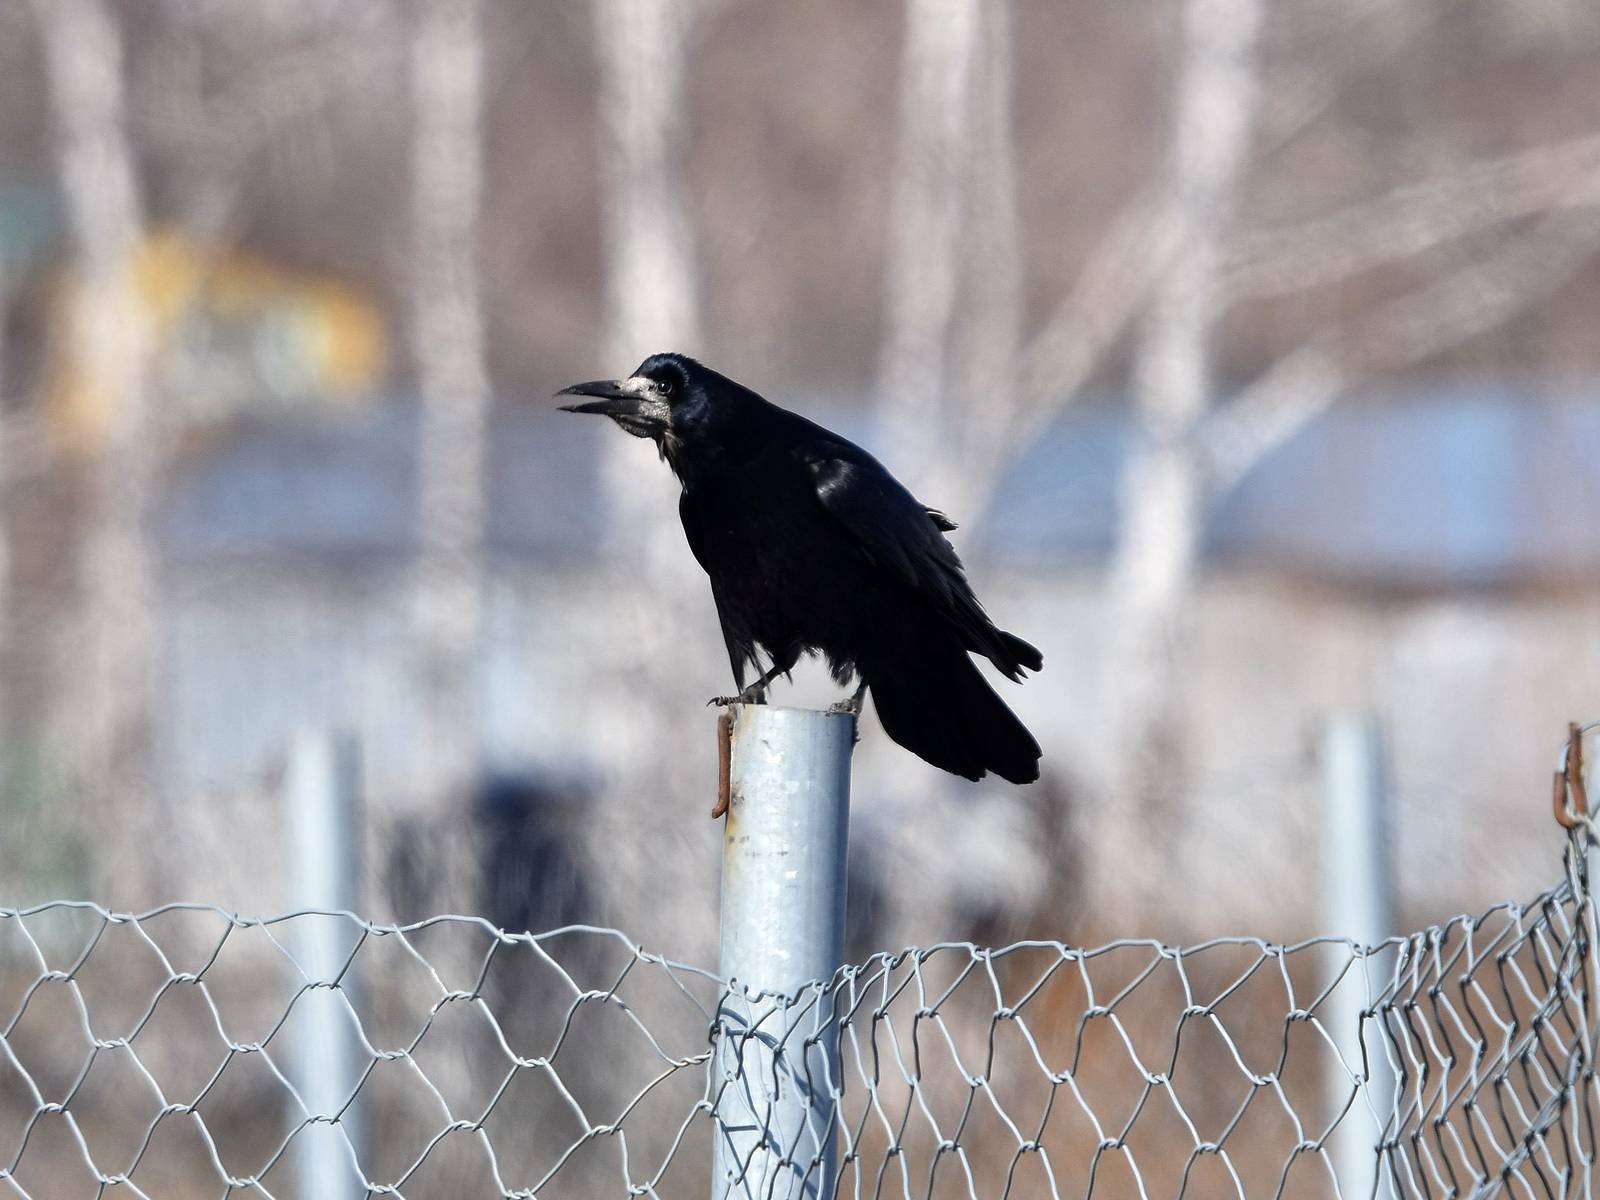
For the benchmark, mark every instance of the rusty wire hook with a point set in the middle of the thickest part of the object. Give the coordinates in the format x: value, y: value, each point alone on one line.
x: 724, y: 762
x: 1568, y: 783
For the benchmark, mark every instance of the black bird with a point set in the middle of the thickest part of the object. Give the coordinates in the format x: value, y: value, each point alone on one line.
x: 811, y: 545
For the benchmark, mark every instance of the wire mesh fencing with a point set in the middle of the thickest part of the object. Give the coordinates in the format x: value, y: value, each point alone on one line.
x: 176, y: 1053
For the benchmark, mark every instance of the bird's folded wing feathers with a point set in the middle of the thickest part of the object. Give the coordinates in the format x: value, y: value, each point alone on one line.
x: 906, y: 539
x: 692, y: 531
x: 741, y: 651
x: 893, y: 530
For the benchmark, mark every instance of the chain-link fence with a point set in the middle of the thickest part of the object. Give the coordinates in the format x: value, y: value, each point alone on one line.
x: 165, y: 1054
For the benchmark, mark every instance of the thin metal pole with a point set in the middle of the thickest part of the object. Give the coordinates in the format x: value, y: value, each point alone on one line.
x: 783, y: 892
x: 322, y: 795
x: 1359, y: 897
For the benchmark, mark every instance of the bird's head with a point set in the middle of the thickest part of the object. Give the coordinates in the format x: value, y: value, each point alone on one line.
x: 647, y: 403
x: 695, y: 416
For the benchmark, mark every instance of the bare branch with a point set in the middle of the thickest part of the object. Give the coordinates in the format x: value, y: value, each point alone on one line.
x: 1283, y: 399
x: 1476, y: 298
x: 1113, y: 286
x: 1116, y: 281
x: 1065, y: 353
x: 1110, y: 290
x: 1415, y: 218
x: 1319, y: 80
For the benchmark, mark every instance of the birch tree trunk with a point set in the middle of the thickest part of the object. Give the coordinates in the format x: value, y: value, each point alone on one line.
x: 448, y: 347
x: 109, y: 706
x: 1162, y: 491
x: 932, y: 180
x: 652, y: 305
x: 652, y: 300
x: 978, y: 441
x: 651, y: 297
x: 651, y: 292
x: 637, y: 642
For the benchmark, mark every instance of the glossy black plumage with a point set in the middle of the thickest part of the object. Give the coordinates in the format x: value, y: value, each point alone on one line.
x: 811, y: 545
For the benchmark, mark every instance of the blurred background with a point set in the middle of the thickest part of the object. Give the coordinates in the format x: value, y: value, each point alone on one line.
x: 1253, y: 346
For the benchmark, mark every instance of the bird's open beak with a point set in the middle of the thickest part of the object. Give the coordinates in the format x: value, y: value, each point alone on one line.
x: 625, y: 401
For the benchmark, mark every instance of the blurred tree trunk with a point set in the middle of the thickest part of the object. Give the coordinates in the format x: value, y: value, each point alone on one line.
x: 108, y: 712
x: 652, y: 304
x: 648, y: 243
x: 448, y: 347
x: 651, y: 297
x: 1162, y: 491
x: 932, y: 180
x: 638, y: 645
x: 987, y: 372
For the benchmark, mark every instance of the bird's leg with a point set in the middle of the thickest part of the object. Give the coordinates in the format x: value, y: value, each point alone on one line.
x: 756, y: 693
x: 852, y: 706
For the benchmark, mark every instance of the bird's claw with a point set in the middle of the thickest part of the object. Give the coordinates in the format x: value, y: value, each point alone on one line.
x: 751, y: 695
x: 850, y: 705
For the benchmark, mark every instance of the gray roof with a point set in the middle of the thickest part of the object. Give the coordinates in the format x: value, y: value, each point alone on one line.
x: 345, y: 487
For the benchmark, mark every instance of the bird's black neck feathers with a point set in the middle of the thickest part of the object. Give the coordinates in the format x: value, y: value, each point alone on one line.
x: 716, y: 423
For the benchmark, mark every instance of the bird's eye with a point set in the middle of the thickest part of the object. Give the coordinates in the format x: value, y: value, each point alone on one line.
x: 664, y: 386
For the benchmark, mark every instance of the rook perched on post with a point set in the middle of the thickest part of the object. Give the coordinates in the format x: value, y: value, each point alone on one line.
x: 812, y: 546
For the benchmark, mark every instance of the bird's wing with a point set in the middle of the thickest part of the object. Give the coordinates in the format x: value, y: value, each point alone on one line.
x: 689, y: 514
x: 741, y: 654
x: 890, y: 527
x: 902, y: 537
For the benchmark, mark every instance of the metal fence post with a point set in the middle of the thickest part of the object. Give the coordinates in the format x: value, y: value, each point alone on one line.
x: 322, y: 798
x: 1359, y: 898
x: 783, y: 892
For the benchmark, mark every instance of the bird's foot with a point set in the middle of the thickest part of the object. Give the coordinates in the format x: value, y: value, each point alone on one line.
x: 754, y: 694
x: 851, y: 705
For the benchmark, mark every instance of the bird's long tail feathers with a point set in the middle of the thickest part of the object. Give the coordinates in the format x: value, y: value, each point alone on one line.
x: 938, y: 705
x: 1009, y: 653
x: 1021, y: 654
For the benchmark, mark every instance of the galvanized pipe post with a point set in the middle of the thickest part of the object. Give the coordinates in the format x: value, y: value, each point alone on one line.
x: 783, y: 894
x: 322, y: 799
x: 1359, y: 898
